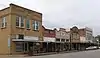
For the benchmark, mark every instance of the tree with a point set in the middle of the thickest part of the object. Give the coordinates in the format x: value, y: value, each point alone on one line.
x: 98, y: 38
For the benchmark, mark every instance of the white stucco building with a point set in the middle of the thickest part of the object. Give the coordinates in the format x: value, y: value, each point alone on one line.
x: 62, y: 35
x: 86, y: 34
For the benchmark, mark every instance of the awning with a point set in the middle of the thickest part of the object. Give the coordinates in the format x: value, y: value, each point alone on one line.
x: 24, y: 40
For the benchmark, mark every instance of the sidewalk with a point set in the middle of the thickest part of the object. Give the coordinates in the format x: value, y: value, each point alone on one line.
x: 50, y: 53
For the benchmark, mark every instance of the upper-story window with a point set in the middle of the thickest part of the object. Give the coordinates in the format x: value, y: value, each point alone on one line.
x: 36, y: 25
x: 62, y: 34
x: 46, y: 32
x: 51, y: 32
x: 19, y: 21
x: 74, y: 36
x: 3, y: 23
x: 27, y: 24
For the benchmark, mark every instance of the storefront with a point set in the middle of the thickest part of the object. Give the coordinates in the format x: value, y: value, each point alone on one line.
x: 24, y: 45
x: 49, y: 44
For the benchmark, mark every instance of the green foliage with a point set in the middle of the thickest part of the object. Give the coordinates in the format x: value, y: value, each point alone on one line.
x: 98, y: 37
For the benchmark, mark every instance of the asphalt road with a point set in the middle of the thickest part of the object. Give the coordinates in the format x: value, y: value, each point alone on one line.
x: 82, y: 54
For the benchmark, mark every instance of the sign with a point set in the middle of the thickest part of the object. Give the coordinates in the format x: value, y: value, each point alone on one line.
x: 8, y: 42
x: 31, y: 38
x: 48, y: 39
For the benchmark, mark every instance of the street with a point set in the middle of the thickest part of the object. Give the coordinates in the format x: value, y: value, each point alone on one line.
x: 83, y: 54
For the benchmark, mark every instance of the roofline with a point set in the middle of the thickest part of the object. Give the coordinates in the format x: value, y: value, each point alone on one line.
x: 49, y: 29
x: 20, y: 7
x: 4, y: 8
x: 82, y: 29
x: 24, y: 8
x: 43, y: 26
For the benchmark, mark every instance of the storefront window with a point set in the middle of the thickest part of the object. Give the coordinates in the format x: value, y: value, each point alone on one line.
x: 63, y: 40
x: 19, y: 47
x: 57, y: 39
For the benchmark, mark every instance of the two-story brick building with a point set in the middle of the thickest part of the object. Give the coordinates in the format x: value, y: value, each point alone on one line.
x: 74, y: 38
x: 80, y: 38
x: 48, y: 39
x: 20, y: 29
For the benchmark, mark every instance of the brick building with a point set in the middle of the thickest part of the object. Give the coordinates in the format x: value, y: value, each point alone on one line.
x: 20, y: 29
x: 48, y: 39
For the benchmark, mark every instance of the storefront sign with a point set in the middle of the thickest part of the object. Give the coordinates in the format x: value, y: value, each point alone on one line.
x: 48, y: 39
x: 31, y: 38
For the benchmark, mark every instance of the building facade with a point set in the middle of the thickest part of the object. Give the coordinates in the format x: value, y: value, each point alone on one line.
x: 62, y: 39
x: 48, y: 40
x: 49, y: 35
x: 74, y: 33
x: 62, y: 35
x: 20, y: 28
x: 86, y: 35
x: 80, y: 38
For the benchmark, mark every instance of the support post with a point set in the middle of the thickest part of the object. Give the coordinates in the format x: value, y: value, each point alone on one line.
x: 47, y: 46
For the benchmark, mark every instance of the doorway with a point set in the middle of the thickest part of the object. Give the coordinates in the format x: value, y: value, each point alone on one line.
x: 30, y: 44
x: 27, y: 46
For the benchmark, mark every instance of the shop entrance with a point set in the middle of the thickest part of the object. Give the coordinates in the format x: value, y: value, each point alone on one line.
x: 27, y: 46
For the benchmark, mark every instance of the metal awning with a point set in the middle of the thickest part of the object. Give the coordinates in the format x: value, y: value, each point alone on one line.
x: 24, y: 40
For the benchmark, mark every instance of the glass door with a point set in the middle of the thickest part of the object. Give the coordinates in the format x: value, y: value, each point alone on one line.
x: 25, y: 46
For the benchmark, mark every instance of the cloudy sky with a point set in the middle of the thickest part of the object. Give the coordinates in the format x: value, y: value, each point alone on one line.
x: 64, y: 13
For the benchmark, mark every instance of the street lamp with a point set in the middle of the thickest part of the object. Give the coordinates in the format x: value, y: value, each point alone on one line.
x: 98, y: 44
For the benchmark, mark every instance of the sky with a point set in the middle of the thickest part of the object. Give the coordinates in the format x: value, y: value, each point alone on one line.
x: 64, y: 13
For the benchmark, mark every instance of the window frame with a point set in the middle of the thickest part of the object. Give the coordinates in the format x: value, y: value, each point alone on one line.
x: 27, y: 22
x: 35, y: 24
x: 20, y: 21
x: 3, y: 22
x: 17, y: 21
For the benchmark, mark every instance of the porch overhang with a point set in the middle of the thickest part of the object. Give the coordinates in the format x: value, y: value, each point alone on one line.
x: 24, y: 40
